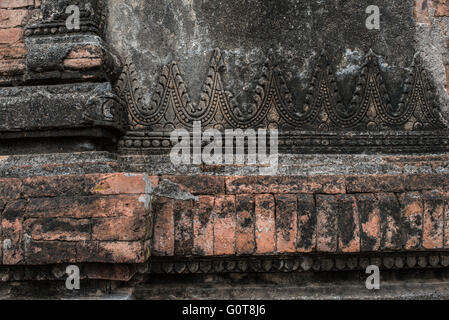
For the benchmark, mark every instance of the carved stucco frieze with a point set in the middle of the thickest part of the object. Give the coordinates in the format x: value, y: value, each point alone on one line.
x: 49, y: 41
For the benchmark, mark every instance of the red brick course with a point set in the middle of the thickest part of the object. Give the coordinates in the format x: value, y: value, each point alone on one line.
x: 286, y: 222
x: 225, y: 227
x: 203, y: 226
x: 112, y: 217
x: 245, y: 242
x: 285, y: 215
x: 14, y: 16
x: 369, y: 216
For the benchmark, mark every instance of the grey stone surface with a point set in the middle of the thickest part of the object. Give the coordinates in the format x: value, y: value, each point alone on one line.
x: 39, y: 108
x: 291, y: 33
x: 75, y: 163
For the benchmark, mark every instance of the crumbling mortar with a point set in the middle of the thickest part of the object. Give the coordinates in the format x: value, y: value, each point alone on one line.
x: 316, y: 223
x: 401, y: 230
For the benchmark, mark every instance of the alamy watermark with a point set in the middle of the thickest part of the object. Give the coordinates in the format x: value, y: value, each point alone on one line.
x: 73, y: 280
x: 373, y: 281
x: 73, y: 20
x: 241, y: 147
x: 373, y: 20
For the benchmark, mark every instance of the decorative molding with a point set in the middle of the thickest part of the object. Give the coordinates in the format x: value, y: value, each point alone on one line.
x: 221, y: 265
x: 305, y: 263
x: 370, y: 118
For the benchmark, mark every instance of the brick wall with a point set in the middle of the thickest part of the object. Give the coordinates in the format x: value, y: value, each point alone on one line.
x: 102, y: 218
x: 117, y: 218
x: 284, y: 215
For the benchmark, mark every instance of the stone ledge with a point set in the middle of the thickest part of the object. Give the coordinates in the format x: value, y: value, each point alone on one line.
x: 85, y: 110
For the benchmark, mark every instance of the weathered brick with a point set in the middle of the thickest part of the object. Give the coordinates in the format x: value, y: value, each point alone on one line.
x: 306, y: 240
x: 82, y: 63
x: 12, y: 233
x: 11, y: 36
x: 348, y: 224
x: 289, y: 185
x: 265, y: 224
x: 87, y: 51
x: 91, y: 184
x: 13, y: 18
x: 433, y: 224
x: 446, y: 232
x: 446, y: 219
x: 199, y: 185
x: 390, y: 221
x: 428, y: 181
x: 369, y: 216
x: 411, y: 220
x: 225, y: 227
x: 10, y: 189
x: 421, y: 12
x: 442, y: 9
x: 164, y: 226
x: 286, y: 223
x: 111, y: 252
x: 53, y: 186
x: 183, y: 217
x: 327, y: 206
x: 120, y: 229
x: 13, y: 52
x: 375, y: 183
x: 58, y: 229
x: 51, y: 252
x: 203, y: 226
x: 119, y: 183
x: 245, y: 241
x: 2, y: 207
x: 395, y: 183
x: 86, y: 207
x: 12, y: 67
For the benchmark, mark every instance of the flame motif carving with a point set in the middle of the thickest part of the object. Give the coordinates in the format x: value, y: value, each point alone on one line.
x: 273, y: 106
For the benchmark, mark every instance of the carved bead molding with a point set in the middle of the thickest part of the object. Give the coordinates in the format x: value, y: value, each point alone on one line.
x: 306, y: 263
x: 323, y: 124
